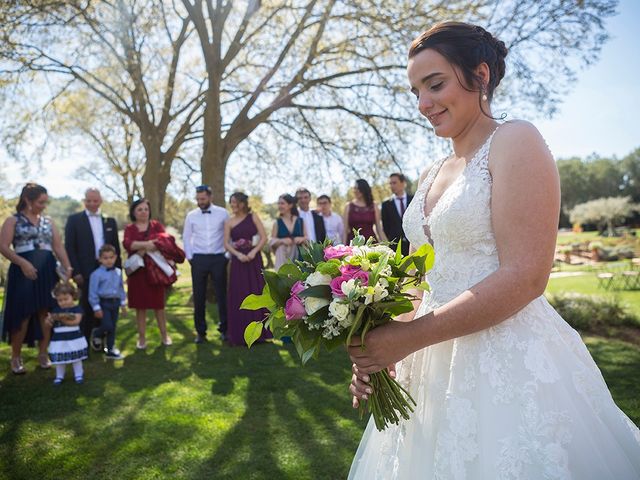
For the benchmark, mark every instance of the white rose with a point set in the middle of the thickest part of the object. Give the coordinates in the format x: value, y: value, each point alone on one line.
x: 317, y: 278
x: 313, y: 304
x: 339, y: 310
x: 351, y: 289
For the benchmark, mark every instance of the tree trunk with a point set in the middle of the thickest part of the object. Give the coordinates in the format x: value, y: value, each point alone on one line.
x: 213, y: 174
x: 156, y: 178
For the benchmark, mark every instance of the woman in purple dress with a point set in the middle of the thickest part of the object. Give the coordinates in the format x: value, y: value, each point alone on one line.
x: 245, y: 276
x: 363, y: 214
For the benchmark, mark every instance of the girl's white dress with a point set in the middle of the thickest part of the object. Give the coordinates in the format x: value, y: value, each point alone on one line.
x: 522, y: 400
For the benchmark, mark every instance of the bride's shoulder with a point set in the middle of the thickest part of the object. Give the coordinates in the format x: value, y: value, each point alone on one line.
x: 516, y: 140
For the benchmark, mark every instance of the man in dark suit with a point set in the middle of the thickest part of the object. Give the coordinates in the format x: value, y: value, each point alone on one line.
x: 393, y: 210
x: 312, y: 220
x: 84, y: 234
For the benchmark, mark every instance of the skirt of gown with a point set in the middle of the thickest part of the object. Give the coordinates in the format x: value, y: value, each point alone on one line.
x: 24, y: 297
x: 521, y: 400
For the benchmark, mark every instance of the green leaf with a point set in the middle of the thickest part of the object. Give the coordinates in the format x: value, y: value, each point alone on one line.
x: 424, y: 286
x: 398, y: 256
x: 318, y: 291
x: 384, y: 260
x: 291, y: 270
x: 335, y: 342
x: 319, y: 316
x: 277, y: 288
x: 256, y: 302
x: 252, y: 333
x: 356, y: 323
x: 306, y: 356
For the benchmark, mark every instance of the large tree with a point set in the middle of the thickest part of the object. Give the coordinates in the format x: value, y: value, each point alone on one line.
x: 286, y: 82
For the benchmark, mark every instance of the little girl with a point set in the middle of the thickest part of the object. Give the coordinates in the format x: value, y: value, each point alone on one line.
x: 68, y: 344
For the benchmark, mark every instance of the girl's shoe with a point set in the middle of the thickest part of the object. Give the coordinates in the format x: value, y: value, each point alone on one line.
x: 43, y: 360
x: 57, y: 381
x: 17, y: 367
x: 140, y: 345
x: 167, y: 341
x: 79, y: 380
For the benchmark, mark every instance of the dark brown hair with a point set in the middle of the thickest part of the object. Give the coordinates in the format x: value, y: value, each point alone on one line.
x: 30, y: 192
x: 466, y: 46
x: 365, y: 190
x: 291, y: 200
x: 399, y: 176
x: 135, y: 204
x: 65, y: 288
x: 241, y: 198
x: 107, y: 248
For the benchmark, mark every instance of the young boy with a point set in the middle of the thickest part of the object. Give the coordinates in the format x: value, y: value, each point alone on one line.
x: 106, y: 296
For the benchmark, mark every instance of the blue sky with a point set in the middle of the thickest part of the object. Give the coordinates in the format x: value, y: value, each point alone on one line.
x: 599, y: 115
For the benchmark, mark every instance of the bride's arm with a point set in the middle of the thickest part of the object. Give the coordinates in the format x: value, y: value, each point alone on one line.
x: 525, y: 207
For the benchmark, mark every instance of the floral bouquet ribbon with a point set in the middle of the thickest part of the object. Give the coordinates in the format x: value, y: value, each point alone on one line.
x: 337, y: 292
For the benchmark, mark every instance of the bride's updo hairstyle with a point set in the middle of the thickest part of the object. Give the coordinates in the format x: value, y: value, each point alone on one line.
x: 465, y: 46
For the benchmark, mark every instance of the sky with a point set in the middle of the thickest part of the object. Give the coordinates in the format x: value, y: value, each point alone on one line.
x: 598, y: 116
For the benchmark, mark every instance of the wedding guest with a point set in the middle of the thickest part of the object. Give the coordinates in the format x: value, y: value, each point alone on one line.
x: 203, y: 238
x: 140, y: 237
x: 107, y: 298
x: 32, y: 274
x: 84, y: 234
x: 68, y: 345
x: 333, y: 223
x: 393, y: 210
x: 245, y: 275
x: 312, y: 220
x: 362, y: 213
x: 289, y: 232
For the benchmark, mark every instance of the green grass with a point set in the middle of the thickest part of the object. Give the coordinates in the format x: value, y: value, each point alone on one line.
x: 209, y: 411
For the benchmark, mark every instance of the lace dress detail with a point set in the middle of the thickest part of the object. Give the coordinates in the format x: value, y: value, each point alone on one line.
x: 520, y: 400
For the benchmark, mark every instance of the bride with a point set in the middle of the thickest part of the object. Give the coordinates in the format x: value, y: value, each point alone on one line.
x: 505, y: 389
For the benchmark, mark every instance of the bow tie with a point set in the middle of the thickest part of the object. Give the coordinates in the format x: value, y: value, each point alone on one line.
x: 205, y: 211
x: 94, y: 214
x: 109, y: 269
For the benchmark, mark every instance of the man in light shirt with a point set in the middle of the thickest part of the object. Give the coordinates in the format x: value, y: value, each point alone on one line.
x: 84, y: 233
x: 203, y: 238
x: 333, y: 223
x: 312, y: 220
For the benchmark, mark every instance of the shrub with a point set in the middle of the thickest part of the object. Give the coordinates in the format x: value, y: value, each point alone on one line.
x: 591, y: 313
x: 624, y: 252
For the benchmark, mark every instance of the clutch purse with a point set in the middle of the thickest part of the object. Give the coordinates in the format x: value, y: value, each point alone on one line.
x: 133, y: 263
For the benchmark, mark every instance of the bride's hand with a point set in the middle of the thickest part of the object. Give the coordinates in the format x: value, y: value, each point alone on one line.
x: 360, y: 388
x: 384, y: 345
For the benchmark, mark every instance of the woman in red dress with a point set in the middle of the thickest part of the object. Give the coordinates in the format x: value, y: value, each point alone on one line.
x: 363, y: 214
x: 139, y: 237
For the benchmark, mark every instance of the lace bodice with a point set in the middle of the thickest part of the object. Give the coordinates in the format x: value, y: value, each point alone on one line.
x: 459, y: 226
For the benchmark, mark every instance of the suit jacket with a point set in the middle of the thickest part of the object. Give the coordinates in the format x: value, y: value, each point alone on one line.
x: 392, y: 222
x: 318, y: 222
x: 78, y: 242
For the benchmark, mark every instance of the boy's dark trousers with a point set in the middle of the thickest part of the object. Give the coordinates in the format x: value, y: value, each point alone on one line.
x: 110, y: 309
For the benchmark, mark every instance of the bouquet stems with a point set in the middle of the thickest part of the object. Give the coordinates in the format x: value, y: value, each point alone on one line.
x: 389, y: 401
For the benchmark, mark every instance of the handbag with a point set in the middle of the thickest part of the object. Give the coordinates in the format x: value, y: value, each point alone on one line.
x: 133, y: 263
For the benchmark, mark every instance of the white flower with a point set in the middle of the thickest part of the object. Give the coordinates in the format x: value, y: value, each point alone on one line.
x: 339, y: 310
x: 313, y: 304
x: 377, y: 292
x: 351, y: 289
x: 317, y: 278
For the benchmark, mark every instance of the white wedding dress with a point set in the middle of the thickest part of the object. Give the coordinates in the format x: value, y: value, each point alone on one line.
x: 522, y: 400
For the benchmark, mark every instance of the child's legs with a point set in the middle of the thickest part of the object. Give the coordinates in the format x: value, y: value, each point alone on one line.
x: 110, y: 309
x: 78, y: 371
x: 141, y: 319
x: 60, y: 370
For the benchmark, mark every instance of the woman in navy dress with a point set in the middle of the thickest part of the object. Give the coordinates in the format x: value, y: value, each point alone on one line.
x: 29, y: 241
x: 288, y: 233
x: 245, y: 273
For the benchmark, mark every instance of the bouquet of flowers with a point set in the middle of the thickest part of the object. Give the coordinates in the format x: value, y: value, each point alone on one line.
x: 336, y: 292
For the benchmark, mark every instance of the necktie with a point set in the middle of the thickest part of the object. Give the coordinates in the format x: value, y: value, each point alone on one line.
x: 205, y: 211
x: 402, y: 206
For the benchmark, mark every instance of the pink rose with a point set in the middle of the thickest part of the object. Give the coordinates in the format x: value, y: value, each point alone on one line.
x: 297, y: 288
x: 294, y: 309
x: 336, y: 286
x: 351, y: 271
x: 338, y: 251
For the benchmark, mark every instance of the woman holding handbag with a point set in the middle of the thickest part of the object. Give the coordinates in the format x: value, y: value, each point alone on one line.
x: 140, y: 237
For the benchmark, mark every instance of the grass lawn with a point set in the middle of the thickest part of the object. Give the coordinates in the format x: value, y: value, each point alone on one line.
x: 208, y: 411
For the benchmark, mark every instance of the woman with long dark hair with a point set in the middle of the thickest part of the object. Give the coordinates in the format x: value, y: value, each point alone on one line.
x: 362, y: 214
x: 288, y: 232
x: 31, y: 242
x: 505, y: 388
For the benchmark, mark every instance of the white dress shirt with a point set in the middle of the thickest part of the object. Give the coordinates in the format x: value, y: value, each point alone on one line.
x: 397, y: 202
x: 307, y: 218
x: 204, y: 232
x: 334, y: 226
x: 97, y: 229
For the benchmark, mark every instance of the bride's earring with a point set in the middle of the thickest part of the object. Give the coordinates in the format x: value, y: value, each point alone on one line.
x: 484, y: 93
